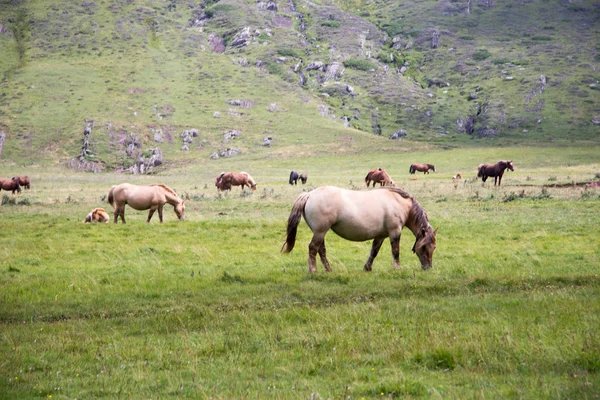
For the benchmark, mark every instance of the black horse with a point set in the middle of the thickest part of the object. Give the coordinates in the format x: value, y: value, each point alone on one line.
x: 294, y: 176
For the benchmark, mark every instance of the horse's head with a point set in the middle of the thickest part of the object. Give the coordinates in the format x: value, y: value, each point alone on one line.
x: 509, y: 165
x: 180, y: 210
x: 424, y: 246
x: 432, y: 167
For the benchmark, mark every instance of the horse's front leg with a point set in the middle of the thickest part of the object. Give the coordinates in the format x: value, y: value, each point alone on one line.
x: 395, y: 242
x: 151, y: 213
x: 374, y: 251
x: 323, y: 255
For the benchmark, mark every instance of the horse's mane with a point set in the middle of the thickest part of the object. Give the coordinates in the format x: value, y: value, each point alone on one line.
x: 417, y: 210
x: 168, y: 189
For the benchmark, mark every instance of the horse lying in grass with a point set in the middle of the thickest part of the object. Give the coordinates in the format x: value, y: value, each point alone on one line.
x: 359, y: 216
x: 152, y: 197
x: 97, y: 215
x: 496, y: 170
x: 378, y: 176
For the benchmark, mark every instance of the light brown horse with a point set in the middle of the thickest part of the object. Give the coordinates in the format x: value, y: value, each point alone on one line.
x: 360, y: 216
x: 24, y: 182
x: 378, y: 176
x: 152, y: 197
x: 495, y: 170
x: 228, y: 179
x: 424, y: 168
x: 10, y: 185
x: 97, y: 215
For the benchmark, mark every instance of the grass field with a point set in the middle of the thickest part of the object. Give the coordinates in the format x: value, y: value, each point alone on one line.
x: 209, y: 307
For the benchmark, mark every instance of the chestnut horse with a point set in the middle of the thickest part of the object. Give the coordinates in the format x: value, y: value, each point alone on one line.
x: 359, y: 216
x: 424, y: 168
x: 378, y: 176
x: 228, y: 179
x: 294, y: 176
x: 97, y: 215
x: 10, y: 184
x: 152, y: 197
x: 24, y: 182
x: 495, y: 170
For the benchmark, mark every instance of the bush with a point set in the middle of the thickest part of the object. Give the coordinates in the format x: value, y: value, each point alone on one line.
x: 481, y: 55
x: 331, y: 24
x: 288, y: 52
x: 362, y: 65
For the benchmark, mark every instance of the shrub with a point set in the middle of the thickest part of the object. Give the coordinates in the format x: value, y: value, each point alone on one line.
x: 288, y: 52
x: 362, y: 65
x: 331, y: 24
x: 481, y: 55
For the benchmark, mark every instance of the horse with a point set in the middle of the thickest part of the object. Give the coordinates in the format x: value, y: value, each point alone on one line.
x: 219, y: 184
x: 378, y: 176
x: 457, y: 177
x: 360, y: 216
x: 294, y: 176
x: 424, y: 168
x: 229, y: 179
x: 152, y: 197
x: 495, y: 170
x: 10, y: 184
x: 24, y: 182
x: 97, y: 215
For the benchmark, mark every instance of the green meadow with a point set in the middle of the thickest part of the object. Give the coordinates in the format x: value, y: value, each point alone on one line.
x: 210, y: 308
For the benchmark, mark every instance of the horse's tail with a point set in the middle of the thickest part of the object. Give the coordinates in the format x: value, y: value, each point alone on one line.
x: 111, y: 197
x: 294, y: 221
x: 368, y: 178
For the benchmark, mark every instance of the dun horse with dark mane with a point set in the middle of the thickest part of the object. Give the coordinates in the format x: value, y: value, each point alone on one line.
x: 360, y: 216
x: 424, y: 168
x: 152, y: 197
x: 378, y: 176
x: 495, y: 170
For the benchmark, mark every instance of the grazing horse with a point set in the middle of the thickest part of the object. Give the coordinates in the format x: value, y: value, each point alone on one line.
x: 424, y: 168
x: 228, y: 179
x: 152, y: 197
x: 378, y: 176
x: 360, y: 216
x: 495, y: 170
x: 24, y: 182
x: 10, y: 184
x: 97, y: 215
x: 457, y: 177
x: 294, y: 176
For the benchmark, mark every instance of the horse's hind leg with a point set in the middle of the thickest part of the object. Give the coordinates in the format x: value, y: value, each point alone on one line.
x: 323, y: 255
x: 374, y: 251
x: 313, y: 248
x: 395, y: 242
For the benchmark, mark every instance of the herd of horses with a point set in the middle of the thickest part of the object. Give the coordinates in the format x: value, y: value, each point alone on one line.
x: 352, y: 214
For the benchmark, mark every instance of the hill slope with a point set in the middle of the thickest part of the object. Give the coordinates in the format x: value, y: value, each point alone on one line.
x: 310, y: 76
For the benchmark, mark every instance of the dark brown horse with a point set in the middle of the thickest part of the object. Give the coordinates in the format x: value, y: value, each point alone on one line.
x: 495, y: 170
x: 424, y: 168
x: 227, y: 179
x: 294, y: 176
x: 24, y: 182
x: 378, y: 176
x: 10, y: 184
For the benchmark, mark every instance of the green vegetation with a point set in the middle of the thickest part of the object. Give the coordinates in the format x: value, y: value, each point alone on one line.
x: 209, y: 307
x: 361, y: 65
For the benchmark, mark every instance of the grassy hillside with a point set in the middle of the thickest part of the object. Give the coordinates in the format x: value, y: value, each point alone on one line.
x: 139, y: 67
